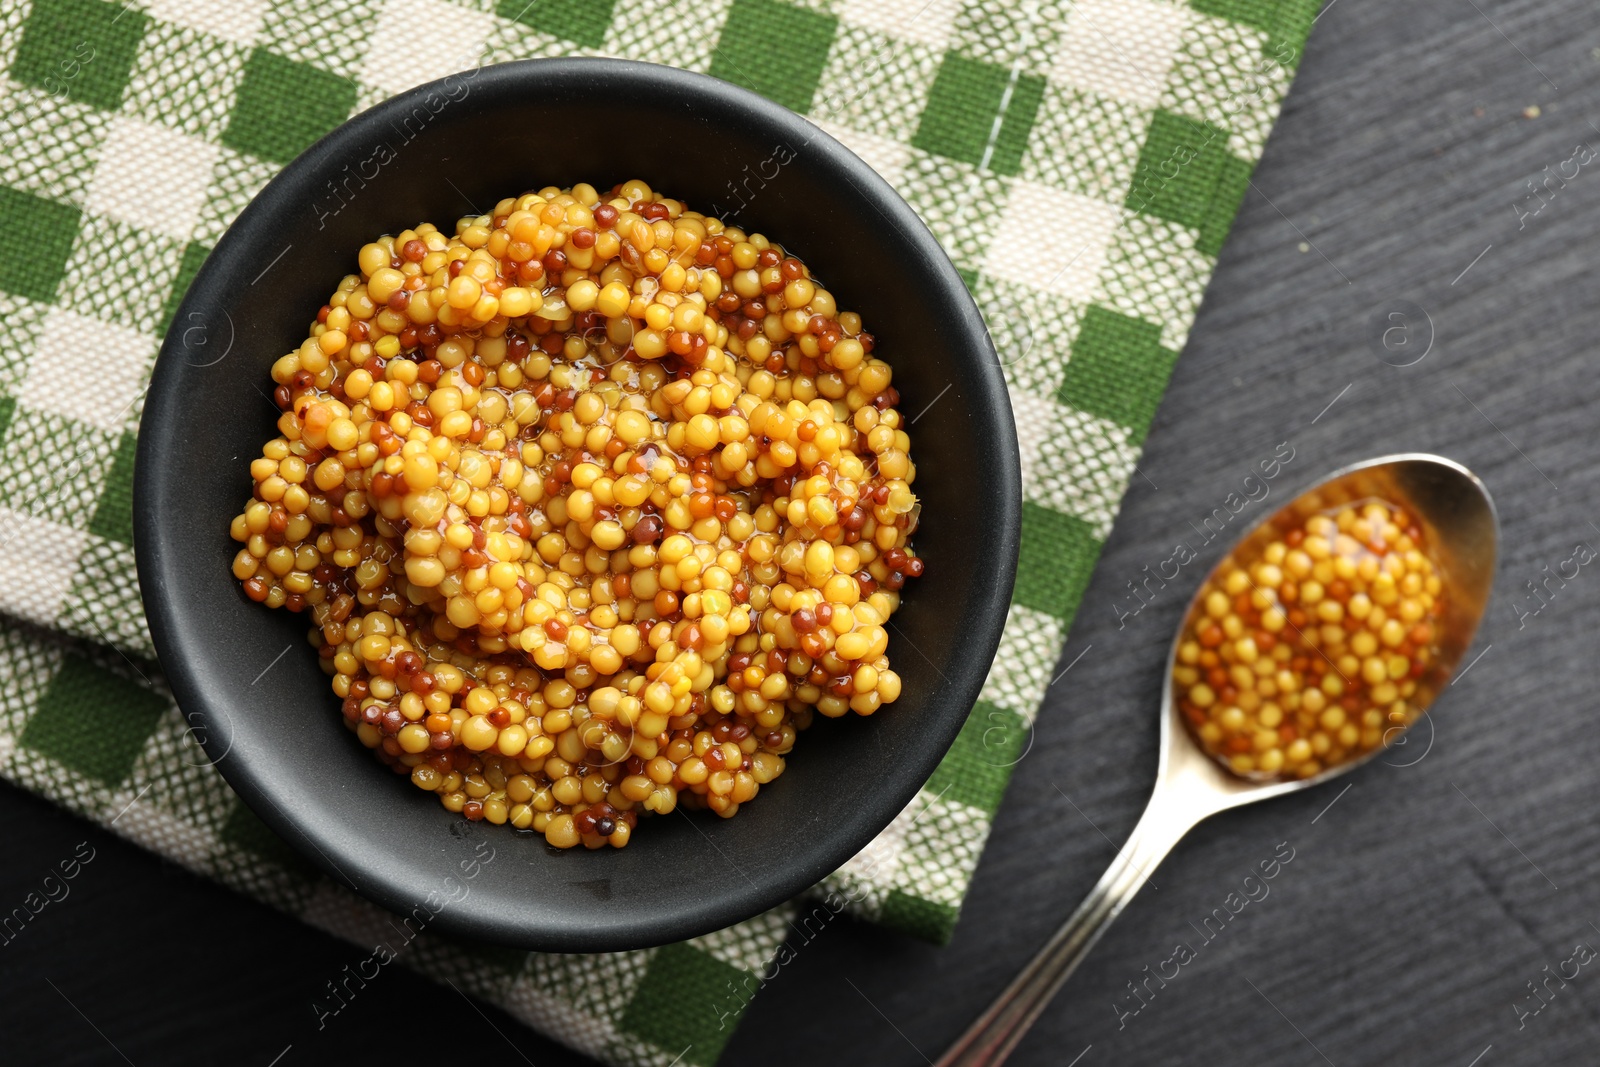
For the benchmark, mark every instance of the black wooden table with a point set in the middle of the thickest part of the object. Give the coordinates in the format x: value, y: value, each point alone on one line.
x: 1425, y: 894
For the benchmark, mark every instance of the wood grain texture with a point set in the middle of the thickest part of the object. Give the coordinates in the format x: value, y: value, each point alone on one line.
x: 1416, y: 907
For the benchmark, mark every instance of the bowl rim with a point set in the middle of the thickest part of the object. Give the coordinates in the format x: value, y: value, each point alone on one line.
x: 183, y: 656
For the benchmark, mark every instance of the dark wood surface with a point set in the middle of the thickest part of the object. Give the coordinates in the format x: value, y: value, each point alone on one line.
x: 1420, y: 901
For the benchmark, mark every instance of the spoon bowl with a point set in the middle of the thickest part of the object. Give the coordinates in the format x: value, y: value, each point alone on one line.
x: 1459, y: 526
x: 1460, y: 530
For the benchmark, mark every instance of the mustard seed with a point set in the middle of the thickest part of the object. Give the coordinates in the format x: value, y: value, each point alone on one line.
x: 1312, y: 648
x: 594, y: 504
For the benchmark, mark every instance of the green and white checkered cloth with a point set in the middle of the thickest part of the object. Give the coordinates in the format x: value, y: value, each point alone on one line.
x: 1118, y: 134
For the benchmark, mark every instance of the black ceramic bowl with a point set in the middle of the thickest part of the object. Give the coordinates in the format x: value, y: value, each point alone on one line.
x: 434, y: 154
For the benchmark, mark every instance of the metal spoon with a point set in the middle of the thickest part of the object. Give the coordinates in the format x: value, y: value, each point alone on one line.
x: 1459, y: 524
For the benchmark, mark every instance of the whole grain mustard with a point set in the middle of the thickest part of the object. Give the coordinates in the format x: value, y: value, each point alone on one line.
x: 592, y: 502
x: 1307, y: 652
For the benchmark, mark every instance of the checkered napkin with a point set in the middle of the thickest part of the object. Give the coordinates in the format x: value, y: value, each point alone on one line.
x: 1115, y: 137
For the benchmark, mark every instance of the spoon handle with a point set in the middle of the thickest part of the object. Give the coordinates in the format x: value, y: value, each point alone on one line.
x: 995, y: 1033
